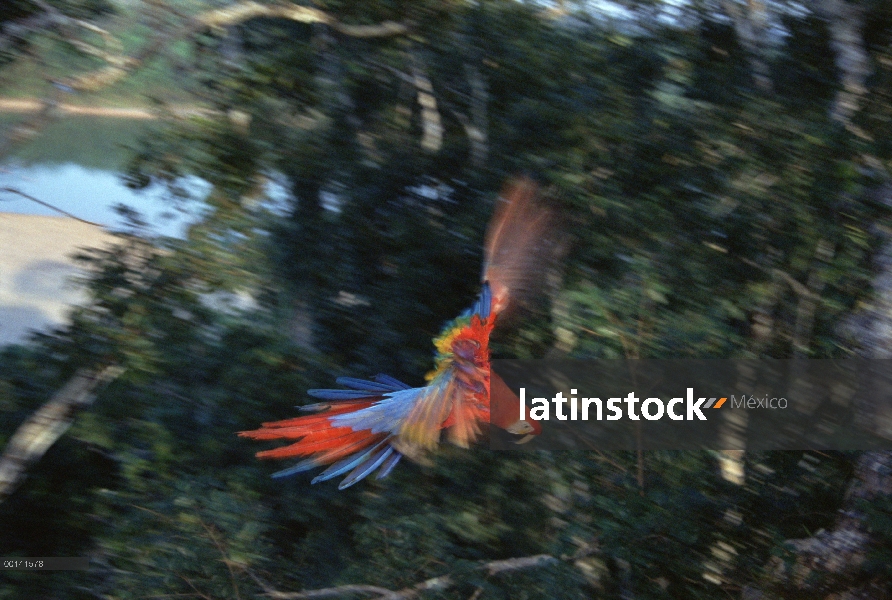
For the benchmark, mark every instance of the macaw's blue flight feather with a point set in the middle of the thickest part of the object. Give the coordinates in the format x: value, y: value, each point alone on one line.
x: 362, y: 384
x: 393, y: 381
x: 339, y: 394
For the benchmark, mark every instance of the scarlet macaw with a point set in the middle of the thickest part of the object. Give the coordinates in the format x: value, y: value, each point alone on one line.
x: 373, y: 423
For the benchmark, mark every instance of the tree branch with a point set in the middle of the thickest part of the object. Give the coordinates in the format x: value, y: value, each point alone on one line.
x: 431, y: 123
x: 10, y: 190
x: 808, y: 303
x: 333, y: 592
x: 119, y: 66
x: 43, y: 428
x: 228, y: 16
x: 434, y: 584
x: 798, y: 288
x: 244, y: 11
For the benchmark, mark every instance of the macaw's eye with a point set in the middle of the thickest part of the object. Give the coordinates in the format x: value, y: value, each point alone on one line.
x: 465, y: 349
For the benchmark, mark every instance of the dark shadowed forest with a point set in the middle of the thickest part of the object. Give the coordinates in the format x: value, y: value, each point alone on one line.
x: 721, y: 171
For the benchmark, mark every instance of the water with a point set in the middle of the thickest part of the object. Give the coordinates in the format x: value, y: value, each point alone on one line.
x: 92, y: 194
x: 75, y: 165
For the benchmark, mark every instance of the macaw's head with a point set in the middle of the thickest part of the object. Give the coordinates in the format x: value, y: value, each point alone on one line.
x: 504, y: 411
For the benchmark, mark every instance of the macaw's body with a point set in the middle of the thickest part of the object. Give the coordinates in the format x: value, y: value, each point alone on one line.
x: 371, y: 424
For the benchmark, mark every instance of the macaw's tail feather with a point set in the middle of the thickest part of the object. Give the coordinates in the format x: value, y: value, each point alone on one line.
x: 518, y: 243
x: 351, y: 432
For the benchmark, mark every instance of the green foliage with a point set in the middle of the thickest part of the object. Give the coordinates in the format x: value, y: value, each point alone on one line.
x: 690, y: 200
x: 879, y: 522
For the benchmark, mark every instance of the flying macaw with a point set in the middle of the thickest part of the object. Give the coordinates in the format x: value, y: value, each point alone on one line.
x: 373, y: 423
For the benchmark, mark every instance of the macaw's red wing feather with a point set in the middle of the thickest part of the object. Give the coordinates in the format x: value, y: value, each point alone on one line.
x: 338, y: 437
x: 517, y: 243
x: 299, y: 426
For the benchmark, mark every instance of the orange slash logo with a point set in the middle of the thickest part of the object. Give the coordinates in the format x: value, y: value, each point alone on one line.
x: 713, y: 404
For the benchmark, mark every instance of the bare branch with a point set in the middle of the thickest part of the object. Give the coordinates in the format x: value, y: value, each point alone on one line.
x: 119, y: 66
x: 42, y: 429
x: 431, y: 123
x: 798, y: 288
x: 10, y: 190
x: 476, y: 127
x: 227, y: 17
x: 437, y: 584
x: 113, y: 51
x: 808, y: 294
x: 244, y: 11
x: 515, y: 564
x: 111, y: 54
x: 334, y: 592
x: 808, y: 303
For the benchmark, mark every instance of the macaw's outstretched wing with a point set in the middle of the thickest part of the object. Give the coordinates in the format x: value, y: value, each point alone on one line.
x: 519, y: 243
x: 371, y: 425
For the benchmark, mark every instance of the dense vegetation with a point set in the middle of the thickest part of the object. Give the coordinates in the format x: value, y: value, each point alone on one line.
x: 716, y: 201
x: 30, y: 61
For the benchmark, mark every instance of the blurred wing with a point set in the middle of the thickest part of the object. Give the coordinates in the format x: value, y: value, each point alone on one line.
x: 518, y: 243
x: 450, y: 404
x: 421, y: 429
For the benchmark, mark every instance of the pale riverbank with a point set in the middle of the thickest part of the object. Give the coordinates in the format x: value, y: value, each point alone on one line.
x: 29, y: 105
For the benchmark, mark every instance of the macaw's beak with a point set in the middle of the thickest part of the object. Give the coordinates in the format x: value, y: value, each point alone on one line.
x: 525, y: 439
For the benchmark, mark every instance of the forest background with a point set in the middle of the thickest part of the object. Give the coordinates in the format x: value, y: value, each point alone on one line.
x: 722, y: 170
